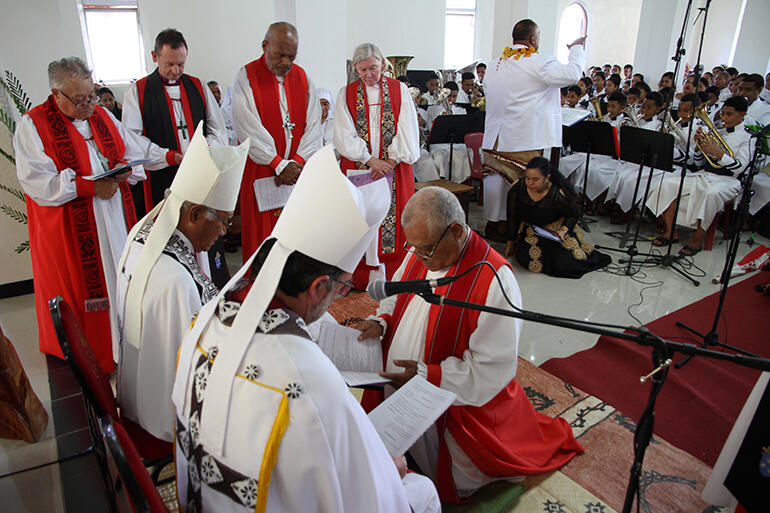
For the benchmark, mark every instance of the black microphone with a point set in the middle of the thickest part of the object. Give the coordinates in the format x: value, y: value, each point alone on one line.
x: 380, y: 289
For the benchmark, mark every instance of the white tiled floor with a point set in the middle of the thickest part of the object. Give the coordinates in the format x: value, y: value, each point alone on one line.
x: 597, y: 296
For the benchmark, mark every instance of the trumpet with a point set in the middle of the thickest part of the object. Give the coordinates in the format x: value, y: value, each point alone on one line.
x: 712, y: 136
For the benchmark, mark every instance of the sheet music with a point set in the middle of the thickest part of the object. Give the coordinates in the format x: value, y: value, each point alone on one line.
x: 271, y: 196
x: 570, y: 116
x: 343, y: 348
x: 404, y: 416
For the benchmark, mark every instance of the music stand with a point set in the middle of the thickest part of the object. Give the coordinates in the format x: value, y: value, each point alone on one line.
x: 647, y: 148
x: 591, y: 137
x: 451, y: 129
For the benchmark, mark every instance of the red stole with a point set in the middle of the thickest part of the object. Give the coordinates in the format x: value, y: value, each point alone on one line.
x: 64, y: 242
x: 499, y: 447
x: 256, y: 225
x: 403, y: 179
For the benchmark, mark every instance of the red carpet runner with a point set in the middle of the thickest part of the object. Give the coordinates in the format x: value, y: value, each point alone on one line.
x: 698, y: 403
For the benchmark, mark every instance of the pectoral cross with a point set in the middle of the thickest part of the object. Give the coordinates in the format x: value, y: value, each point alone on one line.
x: 183, y: 128
x: 288, y: 125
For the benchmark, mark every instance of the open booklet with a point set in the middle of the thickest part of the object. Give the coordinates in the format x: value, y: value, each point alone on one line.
x: 269, y: 195
x: 359, y: 361
x: 122, y: 167
x: 404, y: 416
x: 548, y: 234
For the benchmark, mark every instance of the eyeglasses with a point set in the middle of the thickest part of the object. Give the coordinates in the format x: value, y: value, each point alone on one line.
x: 346, y: 288
x: 226, y: 222
x: 419, y: 253
x: 90, y: 100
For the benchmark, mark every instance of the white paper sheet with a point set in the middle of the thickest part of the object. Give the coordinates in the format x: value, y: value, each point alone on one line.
x: 343, y: 348
x: 404, y: 416
x: 357, y: 379
x: 570, y: 116
x: 270, y: 196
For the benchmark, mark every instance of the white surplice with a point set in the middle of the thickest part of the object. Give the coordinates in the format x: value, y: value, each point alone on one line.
x: 170, y: 301
x: 248, y: 123
x: 215, y: 121
x: 487, y: 366
x: 330, y: 458
x: 42, y: 182
x: 405, y: 146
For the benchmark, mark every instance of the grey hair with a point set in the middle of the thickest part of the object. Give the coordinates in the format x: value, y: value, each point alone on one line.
x: 365, y: 51
x: 438, y: 207
x: 59, y: 71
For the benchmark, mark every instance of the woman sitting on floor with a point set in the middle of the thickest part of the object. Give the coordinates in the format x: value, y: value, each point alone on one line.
x: 544, y: 200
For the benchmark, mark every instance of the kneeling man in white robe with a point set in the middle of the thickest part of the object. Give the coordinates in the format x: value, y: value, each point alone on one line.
x: 265, y: 421
x: 164, y: 278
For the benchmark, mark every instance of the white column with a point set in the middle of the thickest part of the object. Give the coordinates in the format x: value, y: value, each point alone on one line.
x: 660, y: 24
x: 752, y: 50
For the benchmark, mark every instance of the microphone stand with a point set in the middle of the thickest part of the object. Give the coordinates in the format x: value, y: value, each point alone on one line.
x: 661, y: 359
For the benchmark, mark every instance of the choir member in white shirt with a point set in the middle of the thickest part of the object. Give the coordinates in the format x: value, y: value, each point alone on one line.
x: 432, y: 84
x: 623, y: 185
x: 705, y: 193
x: 523, y: 115
x: 759, y: 111
x: 765, y: 93
x: 466, y: 88
x: 461, y: 168
x: 163, y: 278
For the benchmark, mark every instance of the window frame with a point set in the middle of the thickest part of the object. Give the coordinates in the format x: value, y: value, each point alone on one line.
x: 105, y: 6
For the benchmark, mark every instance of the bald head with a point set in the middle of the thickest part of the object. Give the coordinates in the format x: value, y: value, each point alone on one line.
x: 280, y: 47
x: 435, y: 206
x: 526, y: 32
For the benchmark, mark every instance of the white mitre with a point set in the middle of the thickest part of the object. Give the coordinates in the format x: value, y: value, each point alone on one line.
x: 326, y: 218
x: 206, y: 176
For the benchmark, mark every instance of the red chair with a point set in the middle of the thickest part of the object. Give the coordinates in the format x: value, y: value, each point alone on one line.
x: 132, y: 487
x: 473, y: 147
x: 96, y: 386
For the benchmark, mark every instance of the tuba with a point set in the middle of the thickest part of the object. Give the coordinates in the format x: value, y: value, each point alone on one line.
x: 397, y: 65
x: 442, y: 98
x: 446, y: 75
x: 712, y: 135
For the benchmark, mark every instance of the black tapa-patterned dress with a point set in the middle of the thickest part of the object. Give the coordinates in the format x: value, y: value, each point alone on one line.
x: 572, y: 258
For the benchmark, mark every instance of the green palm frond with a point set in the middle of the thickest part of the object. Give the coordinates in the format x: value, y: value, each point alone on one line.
x: 7, y: 121
x: 8, y: 156
x: 21, y: 248
x: 10, y: 190
x: 16, y: 215
x: 13, y: 86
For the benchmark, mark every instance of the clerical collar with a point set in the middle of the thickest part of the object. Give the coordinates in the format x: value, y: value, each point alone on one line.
x: 730, y: 130
x: 167, y: 82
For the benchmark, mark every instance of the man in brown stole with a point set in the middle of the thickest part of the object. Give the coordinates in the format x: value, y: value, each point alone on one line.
x: 376, y: 136
x: 276, y: 106
x: 491, y: 432
x: 77, y: 226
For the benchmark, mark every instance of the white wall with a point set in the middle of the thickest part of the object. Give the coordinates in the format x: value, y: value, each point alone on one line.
x: 720, y: 29
x: 221, y: 37
x: 753, y: 51
x: 612, y: 30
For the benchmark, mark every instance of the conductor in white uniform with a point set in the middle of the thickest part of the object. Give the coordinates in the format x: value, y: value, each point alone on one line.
x: 523, y: 108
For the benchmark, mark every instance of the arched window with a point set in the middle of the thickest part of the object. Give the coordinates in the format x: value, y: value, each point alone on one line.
x: 573, y: 25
